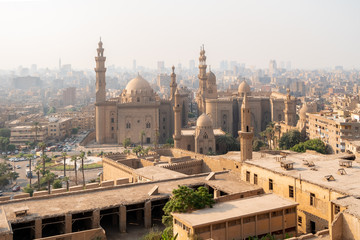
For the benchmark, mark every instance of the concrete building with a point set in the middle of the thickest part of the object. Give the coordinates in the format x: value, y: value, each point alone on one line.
x: 240, y: 219
x: 69, y: 96
x: 22, y: 134
x: 59, y: 128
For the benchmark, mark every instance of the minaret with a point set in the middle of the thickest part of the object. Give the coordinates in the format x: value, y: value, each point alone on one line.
x: 177, y: 113
x: 246, y: 134
x: 290, y: 110
x: 202, y: 81
x: 100, y: 74
x: 173, y: 84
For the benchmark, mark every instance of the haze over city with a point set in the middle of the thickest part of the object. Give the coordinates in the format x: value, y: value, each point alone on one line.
x: 310, y: 34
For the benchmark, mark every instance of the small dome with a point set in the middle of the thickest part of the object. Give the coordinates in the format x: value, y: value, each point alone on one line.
x: 304, y: 109
x: 244, y: 87
x: 138, y: 84
x: 203, y: 121
x: 211, y: 77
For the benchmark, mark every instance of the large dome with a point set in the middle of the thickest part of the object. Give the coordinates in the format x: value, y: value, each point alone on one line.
x: 244, y: 88
x: 203, y: 121
x: 138, y: 84
x: 211, y: 77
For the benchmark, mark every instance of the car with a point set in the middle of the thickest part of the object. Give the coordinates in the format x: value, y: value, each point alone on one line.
x: 1, y: 193
x: 3, y: 153
x: 18, y: 166
x: 27, y: 165
x: 16, y: 188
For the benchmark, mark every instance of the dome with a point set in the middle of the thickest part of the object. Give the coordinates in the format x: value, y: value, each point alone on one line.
x: 303, y: 111
x: 211, y: 77
x: 138, y: 84
x: 204, y: 121
x: 244, y: 87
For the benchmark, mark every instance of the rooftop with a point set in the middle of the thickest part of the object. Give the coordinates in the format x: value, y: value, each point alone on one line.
x: 324, y: 165
x: 155, y: 173
x: 191, y: 132
x: 235, y: 209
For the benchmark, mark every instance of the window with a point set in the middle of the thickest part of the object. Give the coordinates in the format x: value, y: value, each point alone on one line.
x: 189, y: 147
x: 205, y: 136
x: 255, y: 179
x: 290, y: 210
x: 277, y: 213
x: 201, y: 150
x: 299, y: 221
x: 249, y: 219
x: 312, y: 199
x: 291, y: 191
x: 128, y: 125
x: 271, y: 185
x: 218, y: 226
x: 112, y: 120
x: 337, y: 209
x: 148, y: 125
x: 247, y: 176
x: 234, y: 222
x: 112, y: 128
x: 263, y: 216
x: 138, y: 99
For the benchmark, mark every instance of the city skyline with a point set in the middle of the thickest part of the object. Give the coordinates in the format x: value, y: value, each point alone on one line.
x: 310, y: 34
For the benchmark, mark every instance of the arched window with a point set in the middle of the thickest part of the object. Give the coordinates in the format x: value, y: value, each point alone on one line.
x: 128, y: 125
x: 148, y: 125
x: 205, y: 136
x: 189, y: 147
x: 247, y: 128
x: 138, y: 99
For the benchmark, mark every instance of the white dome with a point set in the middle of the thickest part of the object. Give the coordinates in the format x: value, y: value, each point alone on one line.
x: 244, y: 87
x: 204, y: 121
x: 138, y: 84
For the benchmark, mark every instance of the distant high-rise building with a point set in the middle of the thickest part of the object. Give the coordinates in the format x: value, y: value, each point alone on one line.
x: 191, y: 65
x: 160, y: 66
x: 179, y: 67
x: 224, y: 65
x: 272, y: 68
x: 69, y: 96
x: 134, y: 65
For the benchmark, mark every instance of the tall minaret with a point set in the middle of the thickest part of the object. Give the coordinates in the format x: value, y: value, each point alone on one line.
x: 100, y: 74
x: 290, y: 110
x: 202, y: 81
x: 246, y: 134
x: 177, y: 113
x: 173, y: 84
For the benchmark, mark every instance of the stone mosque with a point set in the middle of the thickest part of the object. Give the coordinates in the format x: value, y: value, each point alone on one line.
x: 139, y: 109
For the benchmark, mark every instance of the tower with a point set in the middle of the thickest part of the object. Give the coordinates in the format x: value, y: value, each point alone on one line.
x: 246, y: 134
x: 202, y: 81
x: 100, y: 74
x: 177, y: 114
x: 290, y: 110
x: 173, y: 84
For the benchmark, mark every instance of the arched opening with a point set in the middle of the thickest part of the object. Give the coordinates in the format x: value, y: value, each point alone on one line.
x: 201, y: 150
x: 189, y: 147
x: 247, y: 128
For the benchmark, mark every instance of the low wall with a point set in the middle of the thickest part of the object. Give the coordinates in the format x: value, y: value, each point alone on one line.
x: 97, y: 233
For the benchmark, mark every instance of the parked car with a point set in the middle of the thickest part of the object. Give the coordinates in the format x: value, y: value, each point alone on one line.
x: 1, y: 193
x: 16, y: 188
x: 18, y: 166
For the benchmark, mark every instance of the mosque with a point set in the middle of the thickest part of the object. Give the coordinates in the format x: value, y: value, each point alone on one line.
x: 140, y: 115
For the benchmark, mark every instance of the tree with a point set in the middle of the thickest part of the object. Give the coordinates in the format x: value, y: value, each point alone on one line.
x: 137, y: 150
x: 4, y: 141
x: 313, y: 144
x: 126, y: 142
x: 258, y: 144
x: 185, y: 199
x: 289, y: 139
x: 57, y: 184
x: 38, y: 170
x: 42, y: 146
x: 74, y: 131
x: 5, y: 132
x: 82, y: 157
x: 268, y: 134
x: 142, y: 134
x: 36, y: 128
x: 74, y: 159
x: 28, y: 189
x: 64, y: 155
x: 30, y: 176
x: 11, y: 147
x: 66, y: 179
x: 49, y: 178
x: 227, y: 143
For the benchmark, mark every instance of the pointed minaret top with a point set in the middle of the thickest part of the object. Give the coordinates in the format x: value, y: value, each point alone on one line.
x: 173, y: 69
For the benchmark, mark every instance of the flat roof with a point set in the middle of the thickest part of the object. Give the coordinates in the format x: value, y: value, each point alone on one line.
x: 351, y: 203
x: 324, y: 164
x: 155, y: 173
x: 235, y: 209
x: 102, y: 198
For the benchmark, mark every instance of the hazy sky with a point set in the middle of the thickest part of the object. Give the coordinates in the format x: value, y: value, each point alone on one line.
x: 311, y: 34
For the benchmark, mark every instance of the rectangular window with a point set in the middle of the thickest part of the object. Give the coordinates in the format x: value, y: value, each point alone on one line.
x: 299, y: 221
x: 249, y: 219
x: 271, y: 185
x: 255, y: 179
x: 291, y: 191
x: 112, y: 120
x: 234, y: 222
x: 337, y: 209
x: 247, y: 176
x: 312, y: 199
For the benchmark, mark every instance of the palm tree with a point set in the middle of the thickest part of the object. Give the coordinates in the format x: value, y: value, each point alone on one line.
x: 74, y: 158
x: 66, y: 179
x: 226, y: 143
x: 49, y: 178
x: 142, y: 134
x: 36, y: 128
x: 64, y: 155
x: 30, y: 173
x: 82, y: 157
x: 42, y: 145
x: 38, y: 170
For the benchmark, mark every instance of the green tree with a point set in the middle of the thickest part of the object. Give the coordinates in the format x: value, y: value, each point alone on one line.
x: 74, y: 159
x: 5, y: 132
x: 137, y: 150
x: 126, y: 142
x: 258, y: 144
x: 28, y: 189
x: 4, y: 141
x: 64, y: 155
x: 49, y: 178
x: 38, y: 171
x: 82, y: 157
x: 313, y: 144
x: 36, y: 129
x: 185, y: 199
x: 42, y: 146
x: 268, y: 134
x: 11, y: 147
x: 57, y: 184
x: 74, y: 131
x: 227, y: 143
x: 289, y: 139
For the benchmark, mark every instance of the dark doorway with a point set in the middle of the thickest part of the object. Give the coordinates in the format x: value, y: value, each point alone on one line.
x: 312, y: 227
x: 157, y: 211
x: 81, y: 221
x: 147, y: 140
x: 109, y: 220
x: 23, y: 231
x: 53, y: 226
x: 135, y: 215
